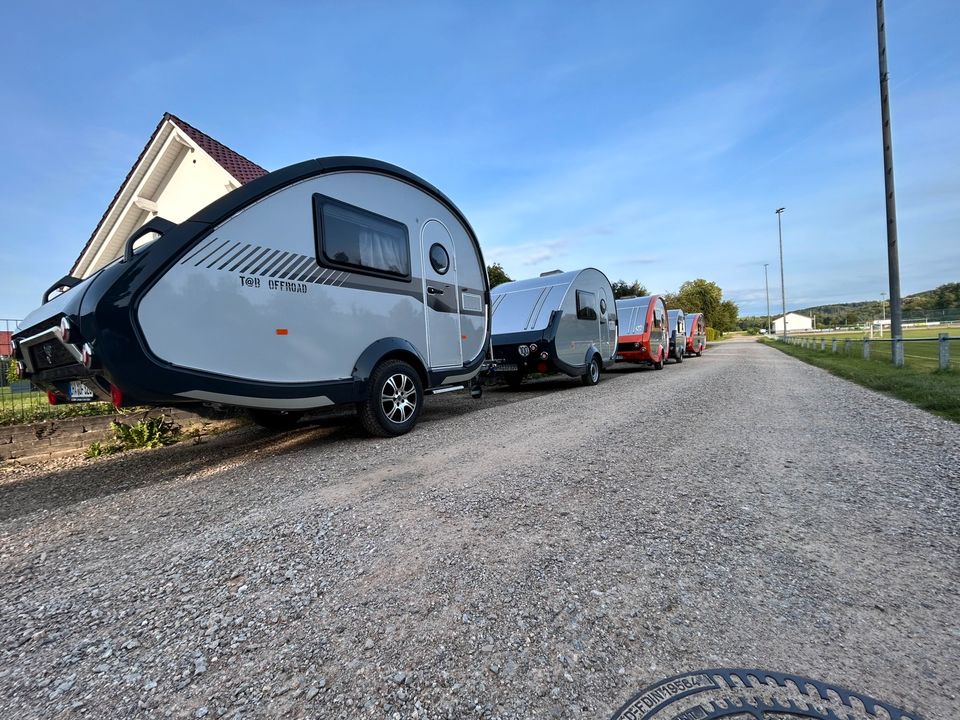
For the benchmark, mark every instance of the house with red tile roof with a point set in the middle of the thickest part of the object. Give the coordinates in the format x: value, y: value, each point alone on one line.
x: 180, y: 171
x: 5, y: 350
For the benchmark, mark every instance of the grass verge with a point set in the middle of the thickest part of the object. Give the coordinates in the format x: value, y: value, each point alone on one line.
x: 936, y: 391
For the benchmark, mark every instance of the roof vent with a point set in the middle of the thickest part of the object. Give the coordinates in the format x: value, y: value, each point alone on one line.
x: 551, y: 272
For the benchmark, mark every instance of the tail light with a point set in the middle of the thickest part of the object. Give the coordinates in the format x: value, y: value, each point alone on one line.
x: 65, y: 330
x: 15, y: 348
x: 86, y: 356
x: 636, y: 345
x: 523, y: 350
x: 116, y: 395
x: 533, y: 347
x: 52, y: 397
x: 544, y: 355
x: 542, y: 367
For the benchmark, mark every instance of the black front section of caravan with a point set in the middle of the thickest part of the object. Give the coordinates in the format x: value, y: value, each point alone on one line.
x: 506, y: 350
x: 105, y: 309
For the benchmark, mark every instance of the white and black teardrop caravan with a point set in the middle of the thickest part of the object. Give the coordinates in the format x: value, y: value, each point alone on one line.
x: 336, y: 280
x: 559, y: 322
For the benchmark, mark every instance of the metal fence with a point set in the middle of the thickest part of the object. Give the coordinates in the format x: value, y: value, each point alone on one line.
x: 927, y: 353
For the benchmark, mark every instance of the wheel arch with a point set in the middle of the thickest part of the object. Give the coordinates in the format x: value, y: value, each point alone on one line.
x: 392, y: 348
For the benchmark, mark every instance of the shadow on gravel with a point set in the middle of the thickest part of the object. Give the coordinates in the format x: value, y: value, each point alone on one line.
x: 29, y: 492
x: 142, y: 468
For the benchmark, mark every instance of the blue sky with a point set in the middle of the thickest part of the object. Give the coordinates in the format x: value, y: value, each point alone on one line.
x: 652, y: 140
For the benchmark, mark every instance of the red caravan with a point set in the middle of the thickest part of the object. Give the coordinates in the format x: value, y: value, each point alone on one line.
x: 641, y: 330
x: 696, y: 334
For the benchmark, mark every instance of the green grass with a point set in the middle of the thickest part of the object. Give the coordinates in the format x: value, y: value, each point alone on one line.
x: 937, y: 391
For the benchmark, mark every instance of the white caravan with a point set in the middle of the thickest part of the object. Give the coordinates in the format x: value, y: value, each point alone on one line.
x: 336, y: 280
x: 558, y: 322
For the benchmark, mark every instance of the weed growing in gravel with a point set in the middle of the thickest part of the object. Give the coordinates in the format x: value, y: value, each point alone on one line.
x: 151, y: 432
x: 935, y: 391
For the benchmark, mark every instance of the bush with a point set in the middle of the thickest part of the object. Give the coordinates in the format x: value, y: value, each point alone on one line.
x: 713, y: 335
x: 11, y: 370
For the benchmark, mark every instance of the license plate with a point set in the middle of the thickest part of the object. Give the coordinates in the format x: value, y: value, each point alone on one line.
x: 80, y: 392
x: 618, y: 356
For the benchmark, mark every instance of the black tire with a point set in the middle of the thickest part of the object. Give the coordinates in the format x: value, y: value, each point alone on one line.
x: 513, y: 379
x: 276, y: 420
x: 658, y: 365
x: 592, y: 374
x: 394, y: 400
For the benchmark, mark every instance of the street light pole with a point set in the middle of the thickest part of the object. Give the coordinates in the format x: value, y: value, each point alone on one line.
x: 883, y: 311
x: 783, y: 291
x: 766, y: 285
x: 893, y: 253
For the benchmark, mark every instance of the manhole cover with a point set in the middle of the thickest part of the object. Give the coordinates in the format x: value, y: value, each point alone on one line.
x: 739, y: 694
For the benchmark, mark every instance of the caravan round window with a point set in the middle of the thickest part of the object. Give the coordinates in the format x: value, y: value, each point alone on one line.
x: 439, y: 258
x: 603, y: 305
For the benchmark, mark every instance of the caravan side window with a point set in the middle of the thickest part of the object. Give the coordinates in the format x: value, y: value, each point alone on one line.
x: 657, y: 318
x: 351, y: 238
x: 586, y: 305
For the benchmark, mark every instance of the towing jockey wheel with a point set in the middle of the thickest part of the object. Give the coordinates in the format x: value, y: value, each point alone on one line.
x: 592, y: 374
x: 394, y: 401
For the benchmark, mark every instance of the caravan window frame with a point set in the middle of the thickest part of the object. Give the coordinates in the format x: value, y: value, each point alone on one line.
x: 320, y: 202
x: 581, y: 307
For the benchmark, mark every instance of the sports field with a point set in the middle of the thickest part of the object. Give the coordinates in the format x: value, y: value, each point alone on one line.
x: 921, y: 345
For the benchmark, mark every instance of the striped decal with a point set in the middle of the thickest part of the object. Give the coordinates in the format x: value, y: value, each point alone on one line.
x: 257, y: 261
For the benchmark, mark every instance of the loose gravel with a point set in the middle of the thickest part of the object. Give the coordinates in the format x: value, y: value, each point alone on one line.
x: 542, y: 553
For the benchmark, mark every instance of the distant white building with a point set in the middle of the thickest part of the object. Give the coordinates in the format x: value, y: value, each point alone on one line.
x: 795, y: 323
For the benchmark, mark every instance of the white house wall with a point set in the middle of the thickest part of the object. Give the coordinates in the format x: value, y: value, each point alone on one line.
x: 195, y: 183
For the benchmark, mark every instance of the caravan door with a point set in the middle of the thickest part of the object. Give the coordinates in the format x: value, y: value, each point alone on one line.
x: 441, y: 296
x: 608, y: 326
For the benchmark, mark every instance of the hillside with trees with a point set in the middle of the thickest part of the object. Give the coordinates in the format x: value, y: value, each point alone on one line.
x: 929, y: 304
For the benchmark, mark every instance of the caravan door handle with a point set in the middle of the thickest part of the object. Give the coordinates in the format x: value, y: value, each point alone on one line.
x: 434, y: 291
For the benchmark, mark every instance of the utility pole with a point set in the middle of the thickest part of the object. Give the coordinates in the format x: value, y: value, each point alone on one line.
x: 893, y: 253
x: 766, y: 285
x: 783, y: 291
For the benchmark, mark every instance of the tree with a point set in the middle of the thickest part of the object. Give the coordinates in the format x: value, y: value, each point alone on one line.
x: 725, y: 318
x: 497, y: 275
x: 621, y: 288
x: 701, y: 296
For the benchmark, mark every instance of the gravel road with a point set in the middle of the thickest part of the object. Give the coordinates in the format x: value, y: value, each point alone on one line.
x: 543, y: 553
